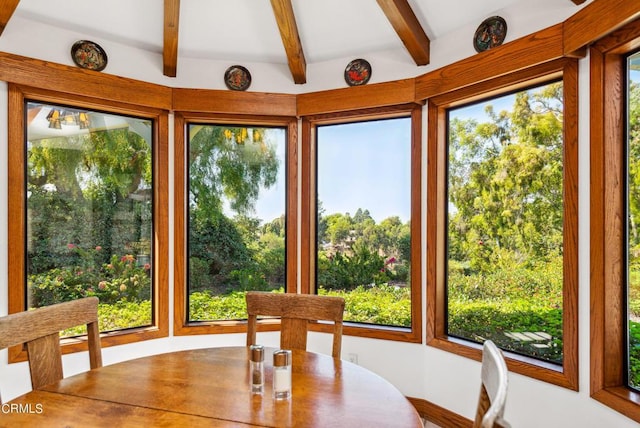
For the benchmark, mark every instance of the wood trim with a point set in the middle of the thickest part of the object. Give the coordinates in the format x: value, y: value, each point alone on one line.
x: 286, y: 20
x: 408, y: 28
x: 181, y: 324
x: 78, y: 81
x: 17, y: 209
x: 607, y: 221
x: 356, y: 97
x: 170, y: 37
x: 233, y: 102
x: 525, y: 52
x: 6, y: 12
x: 596, y: 20
x: 567, y: 375
x: 439, y: 415
x: 307, y: 207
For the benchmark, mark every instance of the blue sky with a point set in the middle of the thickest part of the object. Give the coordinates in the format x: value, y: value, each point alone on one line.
x: 360, y: 165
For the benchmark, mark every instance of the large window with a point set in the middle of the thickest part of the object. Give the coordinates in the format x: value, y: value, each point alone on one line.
x: 615, y: 117
x: 502, y: 221
x: 237, y: 221
x: 505, y: 222
x: 236, y: 202
x: 86, y: 206
x: 633, y: 214
x: 365, y: 238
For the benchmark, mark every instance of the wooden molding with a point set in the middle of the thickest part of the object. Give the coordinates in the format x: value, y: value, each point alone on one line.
x: 356, y: 97
x: 533, y: 49
x: 170, y: 49
x: 439, y: 415
x: 404, y: 21
x: 596, y: 20
x: 233, y: 102
x: 78, y: 81
x: 283, y: 11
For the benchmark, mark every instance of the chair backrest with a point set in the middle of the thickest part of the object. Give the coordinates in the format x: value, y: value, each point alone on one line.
x: 295, y: 312
x: 39, y: 330
x: 493, y: 389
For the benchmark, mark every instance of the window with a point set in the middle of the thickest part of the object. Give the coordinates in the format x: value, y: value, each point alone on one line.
x: 86, y: 193
x: 366, y: 209
x: 504, y: 177
x: 505, y: 217
x: 615, y: 370
x: 239, y: 217
x: 633, y: 214
x: 237, y: 221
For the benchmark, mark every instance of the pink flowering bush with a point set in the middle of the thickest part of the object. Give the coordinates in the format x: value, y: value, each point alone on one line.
x: 122, y: 279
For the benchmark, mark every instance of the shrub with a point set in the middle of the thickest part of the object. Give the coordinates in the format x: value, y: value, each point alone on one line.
x: 119, y: 280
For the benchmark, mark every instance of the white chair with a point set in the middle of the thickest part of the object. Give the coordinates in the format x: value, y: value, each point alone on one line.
x: 493, y: 389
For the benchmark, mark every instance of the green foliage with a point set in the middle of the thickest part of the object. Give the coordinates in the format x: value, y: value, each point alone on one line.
x: 117, y: 316
x: 120, y: 280
x: 634, y: 354
x: 486, y: 306
x: 381, y: 305
x: 204, y: 306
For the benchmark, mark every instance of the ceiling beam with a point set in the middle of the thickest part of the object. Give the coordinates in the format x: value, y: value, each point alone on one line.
x: 170, y: 47
x: 7, y: 8
x: 578, y: 1
x: 404, y: 21
x: 283, y: 11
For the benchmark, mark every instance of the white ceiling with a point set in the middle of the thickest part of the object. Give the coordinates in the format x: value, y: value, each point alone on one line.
x: 246, y: 30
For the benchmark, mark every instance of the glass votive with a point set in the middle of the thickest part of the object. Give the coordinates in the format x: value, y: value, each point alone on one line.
x: 256, y: 368
x: 282, y: 374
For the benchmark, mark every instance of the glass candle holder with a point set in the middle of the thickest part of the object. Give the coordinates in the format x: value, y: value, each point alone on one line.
x: 282, y: 374
x: 256, y: 368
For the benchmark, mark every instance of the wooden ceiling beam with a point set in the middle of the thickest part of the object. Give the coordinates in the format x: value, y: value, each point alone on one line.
x: 578, y: 1
x: 170, y: 47
x: 283, y: 11
x: 7, y: 8
x: 404, y: 21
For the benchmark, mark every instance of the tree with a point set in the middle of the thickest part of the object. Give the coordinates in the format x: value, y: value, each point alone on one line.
x: 505, y: 183
x: 229, y: 163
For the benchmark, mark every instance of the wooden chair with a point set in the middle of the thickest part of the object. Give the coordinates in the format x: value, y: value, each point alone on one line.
x: 295, y: 312
x: 39, y: 330
x: 493, y: 389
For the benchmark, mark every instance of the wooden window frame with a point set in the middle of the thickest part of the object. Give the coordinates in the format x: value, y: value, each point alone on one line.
x: 17, y: 209
x: 567, y: 69
x: 308, y: 213
x: 182, y: 325
x: 608, y: 220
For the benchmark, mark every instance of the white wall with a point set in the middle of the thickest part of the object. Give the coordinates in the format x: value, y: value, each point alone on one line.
x: 419, y: 371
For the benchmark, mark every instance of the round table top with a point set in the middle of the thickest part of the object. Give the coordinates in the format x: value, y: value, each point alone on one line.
x: 213, y: 385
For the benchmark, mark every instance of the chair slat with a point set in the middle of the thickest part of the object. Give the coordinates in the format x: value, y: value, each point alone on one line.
x: 295, y: 311
x: 40, y: 330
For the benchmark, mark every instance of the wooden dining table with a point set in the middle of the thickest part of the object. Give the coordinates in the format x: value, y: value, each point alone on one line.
x: 211, y: 387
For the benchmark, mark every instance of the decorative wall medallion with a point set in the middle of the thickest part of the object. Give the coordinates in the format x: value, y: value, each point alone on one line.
x: 358, y: 72
x: 490, y: 33
x: 237, y: 78
x: 89, y: 55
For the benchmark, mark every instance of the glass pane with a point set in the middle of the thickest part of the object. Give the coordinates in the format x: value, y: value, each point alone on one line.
x: 364, y: 208
x: 237, y: 202
x: 505, y: 222
x: 89, y: 211
x: 633, y: 274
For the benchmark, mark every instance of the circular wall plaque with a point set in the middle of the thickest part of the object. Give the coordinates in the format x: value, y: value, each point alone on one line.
x: 358, y: 72
x: 490, y: 33
x: 89, y: 55
x: 237, y: 78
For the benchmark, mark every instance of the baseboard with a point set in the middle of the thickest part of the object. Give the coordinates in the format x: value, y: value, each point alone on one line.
x: 439, y: 415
